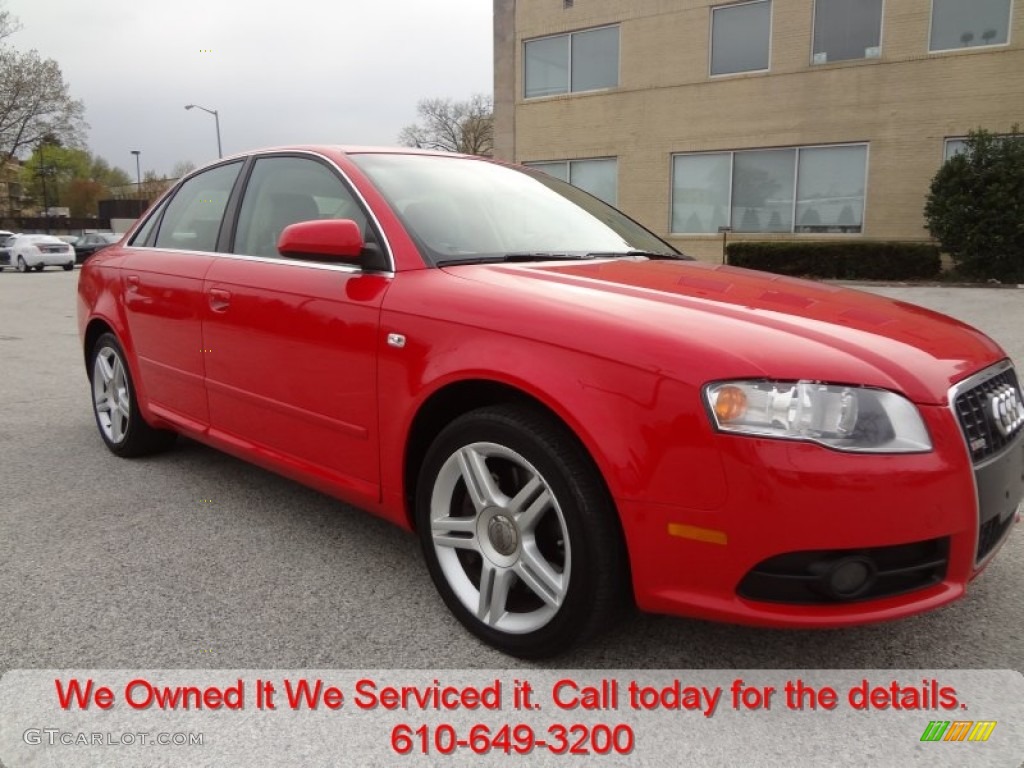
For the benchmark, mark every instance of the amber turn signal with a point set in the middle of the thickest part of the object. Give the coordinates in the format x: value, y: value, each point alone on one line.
x: 730, y: 404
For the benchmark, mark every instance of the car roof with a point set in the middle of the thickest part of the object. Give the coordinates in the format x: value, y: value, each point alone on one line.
x: 344, y: 149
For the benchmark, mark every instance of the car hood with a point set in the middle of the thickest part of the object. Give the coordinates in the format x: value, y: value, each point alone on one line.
x: 724, y: 322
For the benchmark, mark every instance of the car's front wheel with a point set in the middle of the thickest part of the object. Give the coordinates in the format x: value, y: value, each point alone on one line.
x: 519, y: 532
x: 22, y: 266
x: 115, y: 406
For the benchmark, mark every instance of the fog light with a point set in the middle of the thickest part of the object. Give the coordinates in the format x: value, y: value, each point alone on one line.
x: 849, y: 577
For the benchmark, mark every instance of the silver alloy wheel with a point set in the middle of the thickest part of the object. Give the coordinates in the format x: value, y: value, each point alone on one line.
x: 491, y: 504
x: 22, y: 266
x: 110, y: 394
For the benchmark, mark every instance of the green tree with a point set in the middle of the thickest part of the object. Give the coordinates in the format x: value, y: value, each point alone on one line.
x: 975, y: 207
x: 73, y: 177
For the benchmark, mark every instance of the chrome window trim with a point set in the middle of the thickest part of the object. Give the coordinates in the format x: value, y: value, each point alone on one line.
x: 282, y: 260
x: 385, y: 242
x: 347, y: 268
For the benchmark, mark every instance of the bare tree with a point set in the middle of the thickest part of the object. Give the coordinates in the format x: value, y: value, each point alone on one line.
x: 35, y: 102
x: 182, y: 168
x: 8, y: 24
x: 453, y: 126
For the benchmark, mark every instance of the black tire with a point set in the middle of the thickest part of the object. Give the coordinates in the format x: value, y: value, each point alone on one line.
x: 23, y: 267
x: 68, y: 267
x: 577, y: 532
x: 137, y: 438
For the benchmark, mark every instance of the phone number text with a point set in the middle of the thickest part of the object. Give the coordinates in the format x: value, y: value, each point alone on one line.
x: 520, y: 739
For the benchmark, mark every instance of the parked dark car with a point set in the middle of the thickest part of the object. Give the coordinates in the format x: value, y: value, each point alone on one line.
x: 6, y: 238
x: 88, y: 244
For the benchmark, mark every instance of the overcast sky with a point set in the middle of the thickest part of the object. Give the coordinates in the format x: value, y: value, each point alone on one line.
x: 298, y: 71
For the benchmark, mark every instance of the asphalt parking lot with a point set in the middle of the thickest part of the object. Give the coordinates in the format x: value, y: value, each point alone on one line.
x: 194, y: 559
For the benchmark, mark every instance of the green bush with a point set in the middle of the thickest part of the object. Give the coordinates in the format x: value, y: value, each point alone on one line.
x: 840, y: 260
x: 975, y: 208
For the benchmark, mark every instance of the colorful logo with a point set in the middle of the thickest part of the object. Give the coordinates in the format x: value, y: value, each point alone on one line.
x: 958, y: 730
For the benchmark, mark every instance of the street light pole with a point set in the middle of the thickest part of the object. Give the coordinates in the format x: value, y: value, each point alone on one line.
x: 138, y: 176
x: 216, y: 119
x: 42, y: 172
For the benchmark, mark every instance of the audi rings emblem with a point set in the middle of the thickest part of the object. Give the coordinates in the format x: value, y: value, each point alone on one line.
x: 1006, y: 409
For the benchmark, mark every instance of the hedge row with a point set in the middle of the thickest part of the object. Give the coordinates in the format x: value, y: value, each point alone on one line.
x: 845, y: 260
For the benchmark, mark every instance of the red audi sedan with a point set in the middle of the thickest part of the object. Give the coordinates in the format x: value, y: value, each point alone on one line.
x: 569, y: 413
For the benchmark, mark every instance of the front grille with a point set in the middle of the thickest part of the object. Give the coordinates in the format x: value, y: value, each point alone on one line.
x: 800, y: 577
x: 991, y: 533
x: 973, y: 411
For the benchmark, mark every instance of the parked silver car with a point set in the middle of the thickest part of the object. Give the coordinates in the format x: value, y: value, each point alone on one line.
x: 37, y: 251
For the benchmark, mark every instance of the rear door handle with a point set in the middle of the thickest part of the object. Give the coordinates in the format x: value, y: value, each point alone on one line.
x: 133, y: 282
x: 220, y: 300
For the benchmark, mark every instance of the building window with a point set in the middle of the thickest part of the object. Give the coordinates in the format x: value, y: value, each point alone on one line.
x: 962, y: 24
x: 954, y: 147
x: 958, y: 145
x: 741, y: 37
x: 847, y: 29
x: 801, y: 189
x: 580, y: 61
x: 598, y: 177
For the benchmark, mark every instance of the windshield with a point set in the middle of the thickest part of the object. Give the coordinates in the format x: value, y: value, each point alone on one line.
x: 461, y: 210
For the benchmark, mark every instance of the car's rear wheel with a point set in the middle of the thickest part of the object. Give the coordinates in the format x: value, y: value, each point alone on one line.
x: 115, y: 406
x: 68, y: 267
x: 22, y: 266
x: 519, y: 532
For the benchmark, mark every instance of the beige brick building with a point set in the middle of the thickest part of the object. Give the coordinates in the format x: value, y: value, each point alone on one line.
x: 787, y: 119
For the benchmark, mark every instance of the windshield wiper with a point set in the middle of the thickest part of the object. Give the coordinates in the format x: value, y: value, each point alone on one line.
x: 504, y: 258
x: 646, y: 254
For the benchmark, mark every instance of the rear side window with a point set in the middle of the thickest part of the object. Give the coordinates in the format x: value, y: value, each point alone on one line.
x: 192, y: 219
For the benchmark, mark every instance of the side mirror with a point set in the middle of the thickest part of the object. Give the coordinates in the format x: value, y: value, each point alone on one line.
x: 324, y: 239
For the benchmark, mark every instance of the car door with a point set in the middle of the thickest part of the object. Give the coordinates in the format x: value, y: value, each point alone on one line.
x: 162, y: 280
x: 291, y: 360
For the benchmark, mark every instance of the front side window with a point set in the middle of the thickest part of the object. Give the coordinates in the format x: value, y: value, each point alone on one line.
x: 579, y: 61
x: 741, y: 37
x: 191, y: 220
x: 969, y: 23
x: 598, y: 177
x: 803, y: 189
x: 286, y: 190
x: 847, y: 29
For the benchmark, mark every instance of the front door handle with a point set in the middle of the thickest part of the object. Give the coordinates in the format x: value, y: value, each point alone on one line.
x: 133, y: 282
x: 220, y: 300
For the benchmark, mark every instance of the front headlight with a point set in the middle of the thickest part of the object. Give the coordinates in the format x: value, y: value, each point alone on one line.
x: 857, y: 419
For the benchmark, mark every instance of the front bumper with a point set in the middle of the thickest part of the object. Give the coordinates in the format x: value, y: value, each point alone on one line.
x: 920, y: 525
